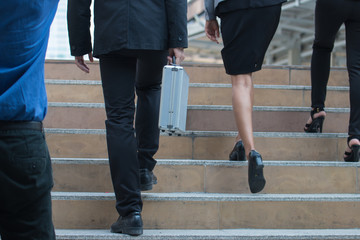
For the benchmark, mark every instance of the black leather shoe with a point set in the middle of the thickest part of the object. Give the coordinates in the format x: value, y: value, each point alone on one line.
x: 238, y: 153
x: 147, y: 179
x: 255, y: 175
x: 131, y: 224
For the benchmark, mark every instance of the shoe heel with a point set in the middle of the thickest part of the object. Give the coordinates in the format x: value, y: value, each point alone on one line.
x: 133, y: 231
x: 146, y: 187
x: 259, y: 163
x: 317, y: 124
x: 238, y: 153
x: 321, y: 122
x: 241, y: 156
x: 234, y: 156
x: 356, y: 152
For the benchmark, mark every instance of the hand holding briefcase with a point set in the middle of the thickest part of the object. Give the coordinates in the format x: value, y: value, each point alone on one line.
x: 174, y: 98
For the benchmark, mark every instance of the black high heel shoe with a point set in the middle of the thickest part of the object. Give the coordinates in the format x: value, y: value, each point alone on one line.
x: 255, y: 173
x: 317, y: 123
x: 354, y: 155
x: 238, y: 153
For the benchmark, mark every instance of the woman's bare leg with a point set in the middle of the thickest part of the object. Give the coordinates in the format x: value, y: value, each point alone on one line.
x: 242, y: 100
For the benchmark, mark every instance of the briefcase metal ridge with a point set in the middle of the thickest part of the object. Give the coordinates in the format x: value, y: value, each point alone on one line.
x: 174, y: 99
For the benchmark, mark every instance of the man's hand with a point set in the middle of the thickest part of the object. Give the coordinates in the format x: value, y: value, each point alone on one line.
x: 178, y: 53
x: 80, y: 63
x: 212, y: 30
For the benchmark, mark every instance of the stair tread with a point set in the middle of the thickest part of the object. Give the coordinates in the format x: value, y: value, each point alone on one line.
x: 210, y: 133
x: 205, y: 107
x: 224, y: 162
x: 215, y: 234
x: 205, y: 85
x: 197, y: 196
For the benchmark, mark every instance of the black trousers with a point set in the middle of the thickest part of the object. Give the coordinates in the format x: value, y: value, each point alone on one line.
x: 329, y: 16
x: 129, y: 149
x: 25, y: 183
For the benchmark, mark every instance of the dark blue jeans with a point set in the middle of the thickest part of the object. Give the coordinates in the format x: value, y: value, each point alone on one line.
x: 25, y: 183
x: 129, y: 148
x: 329, y: 16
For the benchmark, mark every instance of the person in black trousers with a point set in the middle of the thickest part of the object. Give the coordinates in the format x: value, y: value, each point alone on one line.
x: 247, y: 29
x: 133, y: 40
x: 329, y: 16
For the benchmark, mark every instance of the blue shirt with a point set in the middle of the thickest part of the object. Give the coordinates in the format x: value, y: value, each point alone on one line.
x: 24, y: 34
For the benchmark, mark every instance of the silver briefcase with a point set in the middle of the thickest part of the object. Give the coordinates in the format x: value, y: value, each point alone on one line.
x: 174, y: 98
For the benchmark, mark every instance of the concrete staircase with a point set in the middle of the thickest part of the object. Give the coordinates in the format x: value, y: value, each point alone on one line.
x: 310, y: 193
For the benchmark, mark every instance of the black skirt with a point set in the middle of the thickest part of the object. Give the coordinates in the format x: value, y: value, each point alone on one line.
x: 246, y: 35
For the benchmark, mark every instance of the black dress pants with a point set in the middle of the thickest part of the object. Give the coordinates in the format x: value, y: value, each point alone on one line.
x: 329, y: 16
x: 25, y: 183
x: 122, y: 73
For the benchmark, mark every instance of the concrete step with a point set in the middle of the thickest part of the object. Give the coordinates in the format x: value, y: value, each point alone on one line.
x: 212, y: 176
x: 74, y: 91
x: 87, y: 91
x: 265, y: 119
x: 266, y: 95
x: 212, y: 211
x: 223, y: 234
x: 91, y: 143
x: 207, y: 73
x: 203, y: 118
x: 273, y: 75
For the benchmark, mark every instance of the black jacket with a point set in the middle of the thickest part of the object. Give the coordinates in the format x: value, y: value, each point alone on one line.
x: 127, y: 24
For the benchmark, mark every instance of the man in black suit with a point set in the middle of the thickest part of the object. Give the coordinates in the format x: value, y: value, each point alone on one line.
x: 133, y: 40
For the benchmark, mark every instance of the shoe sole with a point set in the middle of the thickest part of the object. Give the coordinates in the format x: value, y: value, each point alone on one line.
x: 256, y: 177
x: 257, y: 181
x: 132, y: 231
x: 146, y: 187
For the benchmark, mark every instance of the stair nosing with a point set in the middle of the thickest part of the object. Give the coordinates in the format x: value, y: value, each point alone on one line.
x: 212, y: 197
x: 193, y: 162
x: 203, y: 85
x: 221, y: 234
x: 76, y: 105
x: 206, y: 107
x: 217, y: 65
x: 72, y: 82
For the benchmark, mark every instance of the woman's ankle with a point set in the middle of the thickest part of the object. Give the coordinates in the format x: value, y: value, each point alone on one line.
x: 319, y: 114
x: 354, y: 141
x: 316, y: 115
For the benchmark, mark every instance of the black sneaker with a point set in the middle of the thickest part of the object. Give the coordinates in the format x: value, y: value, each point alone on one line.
x: 147, y: 179
x: 131, y: 224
